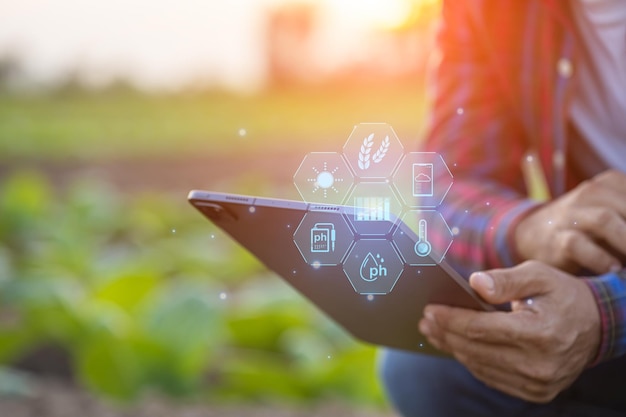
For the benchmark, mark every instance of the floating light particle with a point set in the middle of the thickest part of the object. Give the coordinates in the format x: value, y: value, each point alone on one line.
x: 242, y: 132
x: 173, y: 230
x: 455, y: 231
x: 460, y: 111
x: 316, y: 265
x: 252, y: 209
x: 223, y: 296
x: 370, y: 297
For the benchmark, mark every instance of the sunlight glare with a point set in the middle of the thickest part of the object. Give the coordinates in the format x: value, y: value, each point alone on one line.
x: 376, y: 14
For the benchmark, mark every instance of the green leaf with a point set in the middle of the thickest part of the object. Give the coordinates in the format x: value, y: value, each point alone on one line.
x: 109, y: 366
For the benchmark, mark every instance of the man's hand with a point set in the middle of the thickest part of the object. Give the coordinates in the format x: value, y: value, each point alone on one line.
x: 536, y: 350
x: 584, y: 228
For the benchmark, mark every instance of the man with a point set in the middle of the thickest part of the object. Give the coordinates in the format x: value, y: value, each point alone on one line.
x: 520, y: 83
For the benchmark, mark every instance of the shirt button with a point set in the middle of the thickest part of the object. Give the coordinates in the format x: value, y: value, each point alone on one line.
x: 565, y: 67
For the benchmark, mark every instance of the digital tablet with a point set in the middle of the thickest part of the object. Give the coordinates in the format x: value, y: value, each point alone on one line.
x: 359, y: 273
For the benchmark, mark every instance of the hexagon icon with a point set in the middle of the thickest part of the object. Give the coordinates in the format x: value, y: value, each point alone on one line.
x: 376, y: 208
x: 373, y: 150
x: 323, y: 237
x: 423, y: 238
x: 373, y: 266
x: 323, y: 177
x: 422, y: 179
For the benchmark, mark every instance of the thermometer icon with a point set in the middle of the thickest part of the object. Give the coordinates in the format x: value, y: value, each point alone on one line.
x: 423, y: 247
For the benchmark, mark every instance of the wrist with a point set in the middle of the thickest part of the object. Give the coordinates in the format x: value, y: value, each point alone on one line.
x: 591, y: 331
x: 609, y: 293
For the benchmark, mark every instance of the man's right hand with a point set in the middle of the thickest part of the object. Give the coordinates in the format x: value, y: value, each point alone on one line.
x: 585, y: 228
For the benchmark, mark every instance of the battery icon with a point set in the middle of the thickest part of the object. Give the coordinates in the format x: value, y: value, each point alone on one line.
x: 323, y: 238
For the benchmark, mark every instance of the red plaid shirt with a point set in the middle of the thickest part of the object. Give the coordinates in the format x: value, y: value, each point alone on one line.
x: 503, y: 86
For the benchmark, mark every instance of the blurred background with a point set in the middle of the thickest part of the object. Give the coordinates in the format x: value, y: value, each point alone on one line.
x: 115, y: 295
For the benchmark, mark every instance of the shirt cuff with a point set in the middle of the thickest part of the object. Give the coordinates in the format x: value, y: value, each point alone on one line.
x: 609, y: 291
x: 500, y: 235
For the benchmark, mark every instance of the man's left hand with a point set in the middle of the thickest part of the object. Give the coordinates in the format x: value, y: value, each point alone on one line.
x: 534, y: 351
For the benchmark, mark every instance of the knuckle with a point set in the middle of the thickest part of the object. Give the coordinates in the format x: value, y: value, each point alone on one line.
x: 475, y: 330
x: 584, y: 189
x: 603, y: 217
x: 530, y: 265
x: 568, y: 242
x: 609, y: 176
x: 543, y: 373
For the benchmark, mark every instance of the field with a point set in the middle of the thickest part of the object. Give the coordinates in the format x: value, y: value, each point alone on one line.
x: 105, y: 269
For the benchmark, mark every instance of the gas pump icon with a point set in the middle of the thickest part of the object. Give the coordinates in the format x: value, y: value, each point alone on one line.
x: 323, y: 238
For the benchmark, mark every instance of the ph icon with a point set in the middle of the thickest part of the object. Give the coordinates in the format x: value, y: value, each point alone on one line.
x: 323, y: 237
x: 372, y: 268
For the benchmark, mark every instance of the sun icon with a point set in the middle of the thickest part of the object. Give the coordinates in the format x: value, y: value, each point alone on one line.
x: 325, y: 179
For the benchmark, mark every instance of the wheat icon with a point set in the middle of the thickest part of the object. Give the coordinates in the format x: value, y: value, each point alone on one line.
x: 382, y: 151
x: 364, y: 153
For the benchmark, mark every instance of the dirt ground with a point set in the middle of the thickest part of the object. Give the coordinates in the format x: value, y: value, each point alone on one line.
x: 54, y: 398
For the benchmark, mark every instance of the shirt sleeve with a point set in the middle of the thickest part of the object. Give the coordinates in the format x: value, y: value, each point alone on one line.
x: 610, y: 293
x: 479, y: 134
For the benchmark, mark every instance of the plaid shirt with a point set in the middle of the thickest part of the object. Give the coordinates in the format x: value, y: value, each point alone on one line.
x: 502, y: 89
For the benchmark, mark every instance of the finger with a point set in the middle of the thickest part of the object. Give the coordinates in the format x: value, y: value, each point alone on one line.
x: 606, y: 190
x: 614, y: 182
x: 492, y: 327
x: 512, y: 384
x: 585, y: 252
x: 500, y: 367
x: 605, y: 224
x: 503, y: 285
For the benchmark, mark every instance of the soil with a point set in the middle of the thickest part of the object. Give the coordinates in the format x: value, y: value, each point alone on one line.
x: 57, y: 398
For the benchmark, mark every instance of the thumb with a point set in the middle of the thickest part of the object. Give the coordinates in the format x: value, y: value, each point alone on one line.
x: 504, y: 285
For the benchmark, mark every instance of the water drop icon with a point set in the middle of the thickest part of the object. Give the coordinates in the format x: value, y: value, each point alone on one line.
x: 368, y: 265
x: 371, y: 269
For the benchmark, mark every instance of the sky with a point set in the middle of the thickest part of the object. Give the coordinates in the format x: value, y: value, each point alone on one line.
x: 165, y: 44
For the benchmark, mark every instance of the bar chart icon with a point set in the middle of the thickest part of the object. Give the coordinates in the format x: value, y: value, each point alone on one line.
x: 372, y: 209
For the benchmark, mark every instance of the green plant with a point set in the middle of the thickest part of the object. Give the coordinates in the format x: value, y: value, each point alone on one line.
x: 144, y: 294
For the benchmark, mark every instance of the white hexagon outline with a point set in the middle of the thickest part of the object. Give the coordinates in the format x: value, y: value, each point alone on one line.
x: 443, y: 255
x: 402, y: 201
x: 395, y: 250
x: 353, y: 170
x: 346, y: 164
x: 343, y: 257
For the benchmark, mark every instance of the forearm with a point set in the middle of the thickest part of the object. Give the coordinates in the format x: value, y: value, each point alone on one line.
x: 483, y: 214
